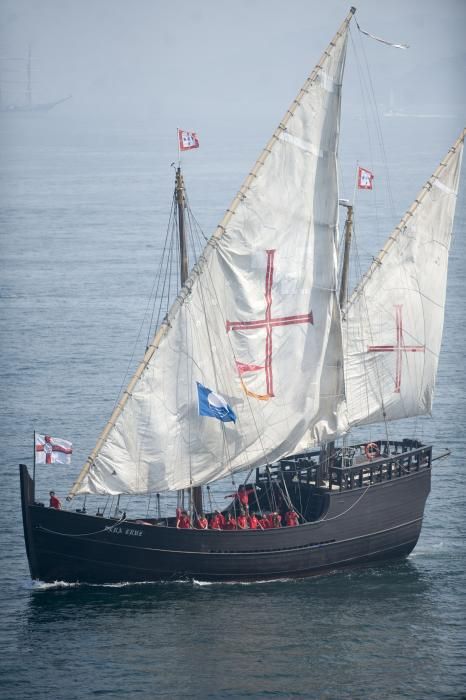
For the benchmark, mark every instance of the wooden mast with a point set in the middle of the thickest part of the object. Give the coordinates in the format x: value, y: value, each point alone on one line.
x: 346, y: 252
x: 196, y: 491
x: 218, y: 233
x: 327, y: 450
x: 180, y: 202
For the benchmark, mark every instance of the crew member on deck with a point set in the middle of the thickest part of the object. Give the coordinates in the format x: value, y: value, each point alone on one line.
x: 202, y: 522
x: 217, y: 521
x: 230, y: 523
x: 253, y: 522
x: 183, y: 522
x: 264, y: 522
x: 243, y: 497
x: 242, y: 521
x: 292, y: 519
x: 54, y: 501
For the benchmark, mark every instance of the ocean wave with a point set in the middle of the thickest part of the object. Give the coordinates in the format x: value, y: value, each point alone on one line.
x: 43, y: 586
x: 201, y: 584
x: 57, y: 585
x: 426, y: 549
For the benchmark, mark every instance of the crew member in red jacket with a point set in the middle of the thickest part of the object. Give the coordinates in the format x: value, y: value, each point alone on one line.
x: 253, y: 522
x: 230, y: 523
x: 243, y: 497
x: 292, y: 519
x: 275, y: 520
x: 242, y: 522
x: 264, y: 522
x: 216, y: 522
x: 183, y: 521
x: 54, y: 501
x: 202, y: 522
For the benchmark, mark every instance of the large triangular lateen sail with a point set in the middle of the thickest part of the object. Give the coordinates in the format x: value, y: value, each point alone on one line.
x: 254, y: 322
x: 394, y: 320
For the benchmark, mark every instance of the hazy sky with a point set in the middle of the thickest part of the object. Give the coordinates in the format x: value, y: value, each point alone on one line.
x: 198, y: 63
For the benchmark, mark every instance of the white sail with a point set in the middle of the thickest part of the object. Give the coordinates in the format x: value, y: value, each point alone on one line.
x: 393, y: 322
x: 254, y: 322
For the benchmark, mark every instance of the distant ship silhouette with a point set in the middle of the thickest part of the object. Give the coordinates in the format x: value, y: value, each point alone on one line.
x: 28, y: 105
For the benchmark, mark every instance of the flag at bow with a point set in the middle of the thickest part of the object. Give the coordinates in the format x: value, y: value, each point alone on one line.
x: 212, y: 404
x: 187, y: 140
x: 365, y: 178
x: 49, y: 450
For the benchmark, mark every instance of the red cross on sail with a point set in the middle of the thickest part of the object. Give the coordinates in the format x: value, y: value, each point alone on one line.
x: 269, y: 323
x: 50, y: 450
x: 399, y: 348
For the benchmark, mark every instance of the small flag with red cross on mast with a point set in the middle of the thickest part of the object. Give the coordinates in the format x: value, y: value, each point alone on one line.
x: 49, y: 450
x: 365, y: 178
x: 187, y: 140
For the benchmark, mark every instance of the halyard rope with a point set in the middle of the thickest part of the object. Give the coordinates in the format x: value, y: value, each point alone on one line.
x: 107, y: 528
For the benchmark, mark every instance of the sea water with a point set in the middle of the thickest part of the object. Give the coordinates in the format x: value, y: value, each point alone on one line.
x: 84, y: 211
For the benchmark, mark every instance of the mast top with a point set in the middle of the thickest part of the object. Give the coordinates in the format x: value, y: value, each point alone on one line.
x: 377, y: 261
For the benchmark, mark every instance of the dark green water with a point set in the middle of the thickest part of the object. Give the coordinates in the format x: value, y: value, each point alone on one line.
x: 83, y: 214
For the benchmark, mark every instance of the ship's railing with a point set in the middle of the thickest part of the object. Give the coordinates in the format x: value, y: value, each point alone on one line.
x: 386, y: 467
x: 355, y: 466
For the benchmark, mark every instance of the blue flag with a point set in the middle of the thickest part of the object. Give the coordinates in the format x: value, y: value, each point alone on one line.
x: 214, y: 405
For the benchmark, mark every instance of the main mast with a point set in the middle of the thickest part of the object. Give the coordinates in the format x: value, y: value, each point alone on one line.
x: 196, y: 491
x: 346, y: 252
x: 328, y: 449
x: 181, y: 203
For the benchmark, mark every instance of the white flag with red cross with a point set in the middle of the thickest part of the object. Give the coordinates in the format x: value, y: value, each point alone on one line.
x: 50, y: 450
x: 187, y: 140
x: 365, y: 178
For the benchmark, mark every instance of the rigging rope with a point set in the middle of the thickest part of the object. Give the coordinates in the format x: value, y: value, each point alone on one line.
x: 107, y: 528
x: 366, y: 79
x: 162, y: 266
x: 367, y: 89
x: 324, y: 519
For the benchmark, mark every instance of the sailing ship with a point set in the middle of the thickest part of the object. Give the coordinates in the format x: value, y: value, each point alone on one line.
x: 28, y: 105
x: 294, y: 361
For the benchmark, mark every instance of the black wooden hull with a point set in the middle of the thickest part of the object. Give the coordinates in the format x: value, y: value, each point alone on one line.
x: 360, y: 525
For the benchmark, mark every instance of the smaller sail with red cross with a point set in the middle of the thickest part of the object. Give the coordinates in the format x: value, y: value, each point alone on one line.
x: 49, y: 450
